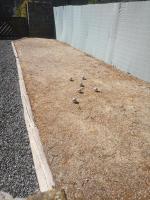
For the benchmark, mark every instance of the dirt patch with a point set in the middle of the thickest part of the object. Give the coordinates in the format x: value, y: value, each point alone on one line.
x: 99, y: 148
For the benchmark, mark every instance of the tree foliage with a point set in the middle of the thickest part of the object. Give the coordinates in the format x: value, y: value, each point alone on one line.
x: 92, y: 1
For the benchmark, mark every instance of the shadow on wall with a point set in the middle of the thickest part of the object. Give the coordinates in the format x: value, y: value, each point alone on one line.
x: 13, y: 27
x: 39, y: 22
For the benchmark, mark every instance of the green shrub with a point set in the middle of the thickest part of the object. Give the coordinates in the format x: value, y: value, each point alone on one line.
x: 92, y: 1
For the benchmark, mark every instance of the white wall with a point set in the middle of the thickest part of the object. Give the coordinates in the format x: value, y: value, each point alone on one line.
x: 118, y: 33
x: 132, y: 46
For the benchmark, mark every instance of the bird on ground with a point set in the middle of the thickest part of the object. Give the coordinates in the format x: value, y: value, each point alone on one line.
x: 82, y: 85
x: 71, y: 79
x: 80, y: 90
x: 96, y: 89
x: 84, y: 78
x: 75, y: 100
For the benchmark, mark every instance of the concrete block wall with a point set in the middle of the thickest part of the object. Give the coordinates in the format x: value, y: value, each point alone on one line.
x: 118, y: 33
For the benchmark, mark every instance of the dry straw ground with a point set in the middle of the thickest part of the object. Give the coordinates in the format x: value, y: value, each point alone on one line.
x: 99, y: 148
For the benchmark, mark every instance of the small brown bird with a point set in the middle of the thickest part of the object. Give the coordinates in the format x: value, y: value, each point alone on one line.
x: 83, y: 78
x: 71, y: 79
x: 96, y: 89
x: 82, y: 85
x: 75, y: 100
x: 80, y: 90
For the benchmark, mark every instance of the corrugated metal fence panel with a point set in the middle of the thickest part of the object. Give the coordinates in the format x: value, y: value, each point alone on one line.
x: 67, y: 24
x: 76, y: 26
x: 132, y: 48
x: 87, y: 28
x: 118, y: 33
x: 101, y: 21
x: 58, y: 15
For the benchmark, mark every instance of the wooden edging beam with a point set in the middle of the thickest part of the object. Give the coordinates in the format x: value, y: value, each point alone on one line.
x: 43, y: 172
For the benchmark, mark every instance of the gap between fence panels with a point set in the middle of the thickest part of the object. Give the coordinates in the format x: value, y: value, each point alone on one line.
x: 43, y: 172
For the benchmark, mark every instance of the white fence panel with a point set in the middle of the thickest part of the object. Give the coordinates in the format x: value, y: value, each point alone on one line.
x: 118, y: 33
x: 76, y: 23
x: 132, y: 48
x: 58, y: 15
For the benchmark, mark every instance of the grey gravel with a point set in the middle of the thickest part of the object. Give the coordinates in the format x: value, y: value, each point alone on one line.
x: 17, y: 172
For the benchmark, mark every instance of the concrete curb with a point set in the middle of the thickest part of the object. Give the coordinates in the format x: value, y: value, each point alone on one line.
x: 43, y: 172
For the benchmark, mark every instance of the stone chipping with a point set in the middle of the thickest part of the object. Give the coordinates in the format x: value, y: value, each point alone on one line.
x: 17, y: 172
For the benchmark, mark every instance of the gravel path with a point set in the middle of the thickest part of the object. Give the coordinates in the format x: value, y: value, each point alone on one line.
x: 17, y: 173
